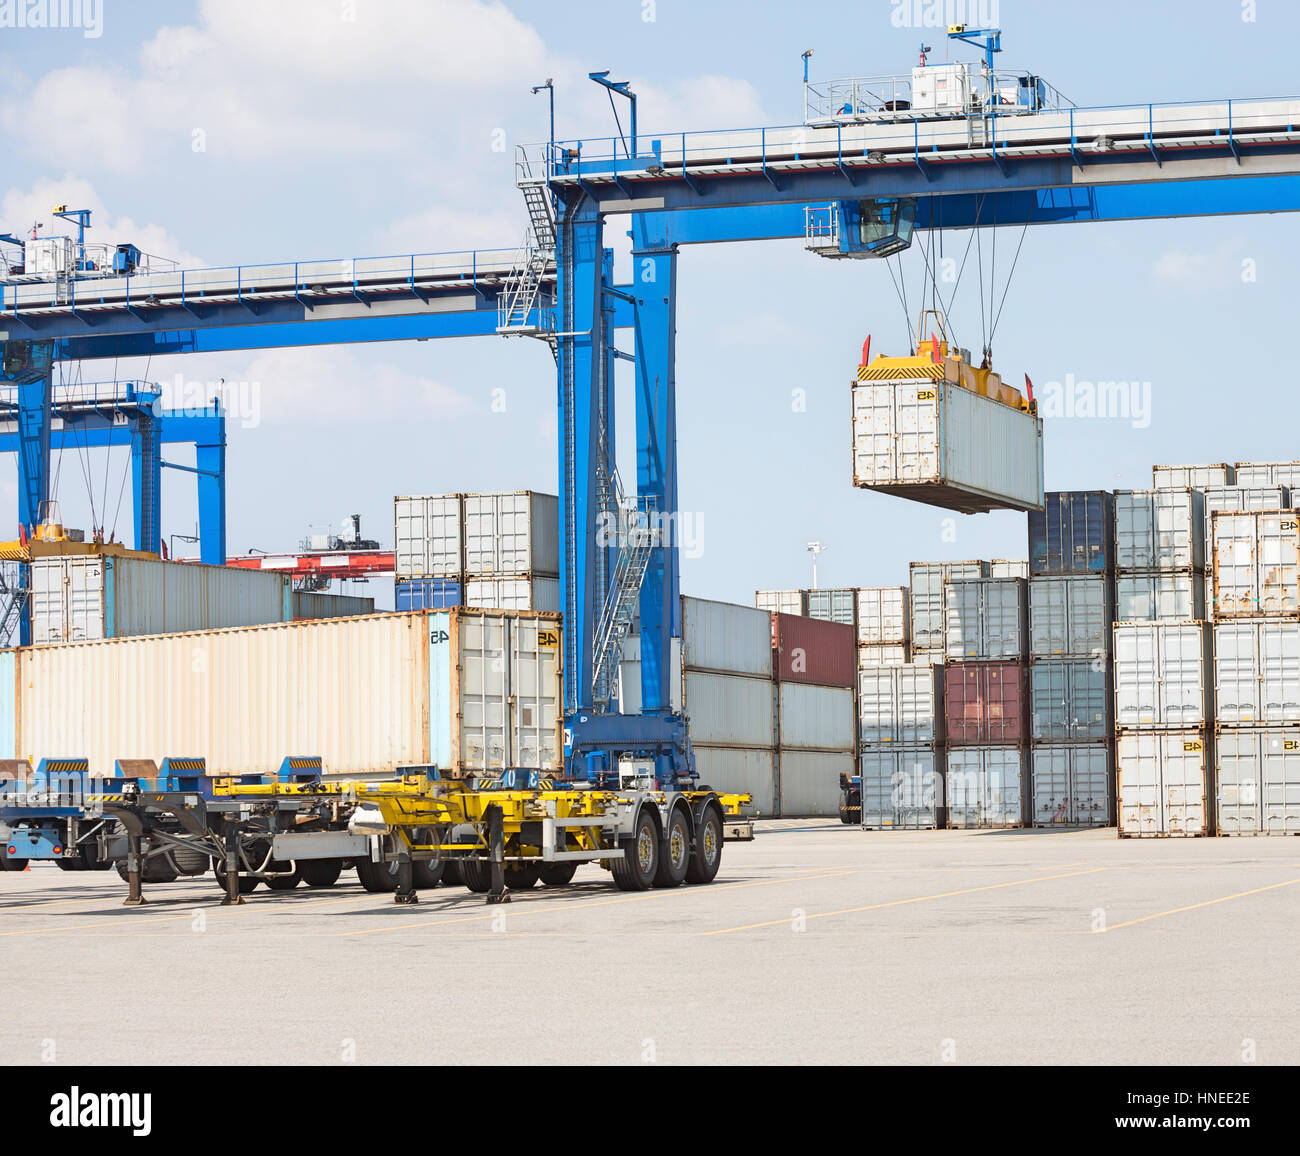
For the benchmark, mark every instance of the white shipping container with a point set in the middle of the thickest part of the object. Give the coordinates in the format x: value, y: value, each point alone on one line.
x: 748, y: 771
x: 629, y: 677
x: 902, y: 788
x: 1161, y: 671
x: 1191, y: 477
x: 984, y: 787
x: 900, y: 704
x: 1170, y: 596
x: 926, y: 656
x: 1267, y: 474
x: 881, y: 656
x: 985, y: 619
x: 1071, y: 785
x: 723, y: 637
x: 1159, y: 530
x: 925, y: 598
x: 1070, y: 615
x: 729, y: 710
x: 810, y: 782
x: 84, y: 597
x: 1161, y: 784
x: 1256, y: 672
x: 1257, y: 781
x: 1256, y: 565
x: 882, y: 616
x: 833, y: 606
x: 781, y: 601
x: 1009, y: 568
x: 939, y: 443
x: 462, y: 690
x: 429, y: 536
x: 1238, y: 499
x: 532, y: 592
x: 818, y: 718
x: 514, y: 533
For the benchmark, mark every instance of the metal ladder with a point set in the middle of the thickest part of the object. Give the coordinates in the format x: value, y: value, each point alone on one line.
x: 13, y: 598
x: 638, y: 536
x: 536, y: 257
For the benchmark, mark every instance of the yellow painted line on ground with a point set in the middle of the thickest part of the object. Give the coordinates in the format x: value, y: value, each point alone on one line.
x: 551, y: 908
x: 1194, y: 906
x: 901, y: 902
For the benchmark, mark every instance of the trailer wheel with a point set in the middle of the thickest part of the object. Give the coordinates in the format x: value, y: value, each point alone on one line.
x: 636, y: 870
x: 77, y: 864
x: 321, y: 872
x: 13, y: 864
x: 284, y: 882
x: 557, y: 874
x: 451, y: 874
x: 521, y: 878
x: 426, y: 873
x: 378, y: 877
x: 675, y: 854
x: 706, y: 857
x: 247, y: 883
x: 477, y: 874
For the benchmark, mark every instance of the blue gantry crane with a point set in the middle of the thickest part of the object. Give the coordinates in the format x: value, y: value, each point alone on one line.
x: 948, y: 146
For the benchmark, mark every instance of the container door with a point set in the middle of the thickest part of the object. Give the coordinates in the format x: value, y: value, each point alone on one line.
x: 484, y: 689
x: 1182, y: 675
x: 1135, y: 531
x: 1137, y: 677
x: 1279, y: 672
x: 1184, y: 786
x: 1239, y: 793
x: 1236, y: 676
x: 917, y: 440
x: 535, y: 694
x: 1280, y: 759
x: 1278, y: 571
x: 1052, y: 786
x: 86, y: 598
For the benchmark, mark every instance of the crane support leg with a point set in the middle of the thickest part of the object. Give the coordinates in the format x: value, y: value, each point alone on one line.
x: 654, y: 279
x: 146, y: 480
x: 210, y: 461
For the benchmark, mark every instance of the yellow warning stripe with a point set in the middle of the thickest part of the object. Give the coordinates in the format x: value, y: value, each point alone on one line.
x: 923, y: 372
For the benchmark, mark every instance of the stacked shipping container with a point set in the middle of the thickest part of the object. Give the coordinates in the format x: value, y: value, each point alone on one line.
x: 1071, y: 611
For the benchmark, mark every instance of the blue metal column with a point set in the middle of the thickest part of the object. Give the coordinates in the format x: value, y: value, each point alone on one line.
x: 210, y: 462
x: 579, y: 357
x: 34, y: 418
x: 654, y: 283
x: 146, y: 479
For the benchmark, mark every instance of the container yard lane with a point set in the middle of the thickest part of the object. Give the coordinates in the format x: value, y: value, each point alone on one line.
x: 908, y: 947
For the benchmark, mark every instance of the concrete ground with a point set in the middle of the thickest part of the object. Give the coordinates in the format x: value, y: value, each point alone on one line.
x: 818, y: 943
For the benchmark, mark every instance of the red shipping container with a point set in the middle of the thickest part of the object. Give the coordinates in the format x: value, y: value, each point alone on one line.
x: 986, y: 703
x: 814, y: 651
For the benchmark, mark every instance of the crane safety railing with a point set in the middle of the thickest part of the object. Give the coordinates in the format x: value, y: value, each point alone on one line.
x: 1065, y: 130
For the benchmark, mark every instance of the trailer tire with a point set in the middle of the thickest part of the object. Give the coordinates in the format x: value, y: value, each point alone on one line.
x: 427, y: 873
x: 377, y: 877
x: 521, y: 878
x: 636, y: 870
x: 557, y: 874
x: 247, y: 883
x: 451, y: 874
x: 477, y: 874
x: 14, y: 864
x: 706, y: 856
x: 74, y: 864
x: 284, y: 882
x: 321, y: 872
x: 675, y: 852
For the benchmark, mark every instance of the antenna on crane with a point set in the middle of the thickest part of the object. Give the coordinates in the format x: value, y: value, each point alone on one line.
x: 815, y: 548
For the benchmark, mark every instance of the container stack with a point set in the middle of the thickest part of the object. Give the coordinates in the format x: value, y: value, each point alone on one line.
x: 925, y: 604
x: 900, y: 753
x: 1255, y: 579
x: 1071, y: 614
x: 1162, y: 673
x: 497, y: 551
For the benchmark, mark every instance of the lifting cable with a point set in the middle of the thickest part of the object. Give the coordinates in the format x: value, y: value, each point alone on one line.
x: 962, y: 268
x: 1006, y: 288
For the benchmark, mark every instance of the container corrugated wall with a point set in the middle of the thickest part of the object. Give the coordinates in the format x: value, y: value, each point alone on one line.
x: 310, y: 605
x: 985, y: 786
x: 426, y: 594
x: 1191, y: 477
x: 902, y: 788
x: 745, y: 770
x: 818, y: 718
x: 1074, y: 534
x: 813, y: 651
x: 729, y: 710
x: 883, y: 618
x: 1256, y: 564
x: 1163, y: 784
x: 1070, y: 785
x: 719, y: 636
x: 985, y: 619
x: 810, y: 782
x: 1257, y: 781
x: 8, y: 704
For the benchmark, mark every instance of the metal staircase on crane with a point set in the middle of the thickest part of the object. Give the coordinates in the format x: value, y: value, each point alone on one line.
x: 637, y: 537
x: 521, y: 294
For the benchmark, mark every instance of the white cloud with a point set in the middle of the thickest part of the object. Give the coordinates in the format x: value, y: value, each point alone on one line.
x: 1204, y: 269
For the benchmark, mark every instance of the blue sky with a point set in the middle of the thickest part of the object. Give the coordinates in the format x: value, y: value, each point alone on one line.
x: 326, y: 137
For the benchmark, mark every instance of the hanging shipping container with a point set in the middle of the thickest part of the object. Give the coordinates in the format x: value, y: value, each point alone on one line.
x: 1256, y: 673
x: 428, y: 536
x: 512, y: 534
x: 1257, y: 781
x: 1162, y: 785
x: 1191, y: 477
x: 883, y: 618
x: 833, y: 606
x: 902, y: 788
x: 925, y: 598
x: 985, y: 704
x: 938, y: 443
x: 1256, y: 565
x: 465, y: 691
x: 881, y: 656
x: 1162, y: 675
x: 1070, y: 615
x: 985, y: 619
x: 84, y: 597
x: 900, y: 704
x: 1159, y: 530
x: 722, y: 637
x: 1070, y: 700
x: 781, y: 601
x: 1009, y: 568
x: 412, y: 594
x: 812, y: 651
x: 1168, y: 596
x: 1071, y: 785
x: 1073, y: 534
x: 985, y: 787
x: 528, y: 592
x: 309, y: 604
x: 1267, y: 474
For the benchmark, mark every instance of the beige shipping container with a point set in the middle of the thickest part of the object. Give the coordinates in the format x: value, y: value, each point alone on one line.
x: 466, y: 691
